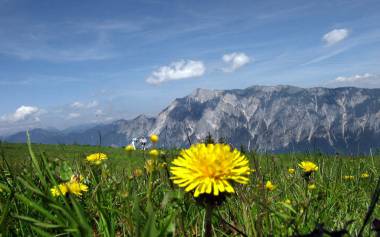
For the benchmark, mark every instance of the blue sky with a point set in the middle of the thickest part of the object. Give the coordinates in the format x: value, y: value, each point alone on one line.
x: 64, y: 63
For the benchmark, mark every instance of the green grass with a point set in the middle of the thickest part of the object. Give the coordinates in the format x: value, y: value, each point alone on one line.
x: 120, y: 204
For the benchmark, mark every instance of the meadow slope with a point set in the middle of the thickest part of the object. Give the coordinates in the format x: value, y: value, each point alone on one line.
x: 131, y: 194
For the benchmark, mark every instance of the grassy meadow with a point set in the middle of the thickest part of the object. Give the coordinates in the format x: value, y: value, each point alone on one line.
x: 130, y: 194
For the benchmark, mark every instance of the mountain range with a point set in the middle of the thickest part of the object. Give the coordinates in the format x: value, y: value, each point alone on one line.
x: 264, y: 118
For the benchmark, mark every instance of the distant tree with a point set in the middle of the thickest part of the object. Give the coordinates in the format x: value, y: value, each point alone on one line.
x: 209, y: 139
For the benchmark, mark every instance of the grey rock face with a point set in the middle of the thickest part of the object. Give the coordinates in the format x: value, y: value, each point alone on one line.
x: 278, y: 118
x: 265, y: 118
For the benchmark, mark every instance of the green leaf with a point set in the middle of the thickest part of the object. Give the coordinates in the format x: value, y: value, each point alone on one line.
x: 36, y: 163
x: 41, y: 232
x: 65, y: 172
x: 150, y: 229
x: 31, y: 187
x: 36, y: 207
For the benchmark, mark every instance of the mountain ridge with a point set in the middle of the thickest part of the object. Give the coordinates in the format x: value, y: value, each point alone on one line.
x: 265, y: 118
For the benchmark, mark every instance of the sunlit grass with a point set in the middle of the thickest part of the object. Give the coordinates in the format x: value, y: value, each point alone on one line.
x: 131, y: 194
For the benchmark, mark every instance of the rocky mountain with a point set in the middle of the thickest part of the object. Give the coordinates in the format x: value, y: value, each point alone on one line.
x: 265, y: 118
x: 118, y: 133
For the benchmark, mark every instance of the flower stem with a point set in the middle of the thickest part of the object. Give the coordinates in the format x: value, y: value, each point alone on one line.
x: 207, y: 223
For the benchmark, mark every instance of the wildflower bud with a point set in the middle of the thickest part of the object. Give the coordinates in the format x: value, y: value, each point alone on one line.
x: 154, y: 138
x: 269, y: 186
x: 348, y: 177
x: 129, y: 148
x: 149, y: 166
x: 311, y: 186
x: 137, y: 172
x: 154, y: 153
x: 364, y: 175
x: 96, y: 158
x: 288, y: 202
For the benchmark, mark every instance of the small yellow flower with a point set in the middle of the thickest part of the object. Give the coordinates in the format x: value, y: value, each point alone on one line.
x: 58, y: 190
x: 96, y: 158
x: 308, y: 167
x: 137, y: 172
x: 311, y: 186
x: 154, y: 152
x: 287, y: 201
x: 71, y: 187
x: 149, y: 166
x: 209, y: 169
x: 291, y: 171
x: 269, y: 186
x: 348, y: 177
x: 77, y: 188
x: 129, y: 148
x: 74, y: 186
x: 154, y: 138
x: 364, y: 175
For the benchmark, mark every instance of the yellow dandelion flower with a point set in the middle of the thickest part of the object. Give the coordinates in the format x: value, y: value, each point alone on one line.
x: 154, y: 152
x: 149, y: 166
x: 96, y: 158
x: 269, y: 186
x: 154, y: 138
x: 308, y: 166
x: 364, y: 175
x: 311, y: 186
x: 291, y: 171
x: 349, y: 177
x: 129, y: 148
x: 58, y: 190
x: 76, y: 188
x: 209, y: 169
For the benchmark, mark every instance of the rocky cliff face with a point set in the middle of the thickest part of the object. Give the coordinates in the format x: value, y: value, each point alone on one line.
x: 279, y: 118
x: 266, y: 118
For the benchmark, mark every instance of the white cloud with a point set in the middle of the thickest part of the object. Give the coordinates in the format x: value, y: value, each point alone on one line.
x: 177, y: 71
x: 354, y: 78
x: 22, y: 113
x: 235, y: 60
x: 77, y: 105
x: 359, y: 80
x: 99, y: 112
x: 81, y: 105
x: 335, y: 36
x: 92, y: 104
x: 73, y: 115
